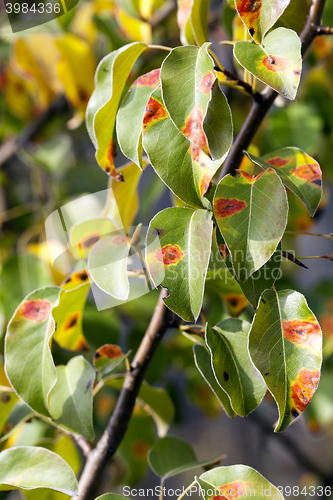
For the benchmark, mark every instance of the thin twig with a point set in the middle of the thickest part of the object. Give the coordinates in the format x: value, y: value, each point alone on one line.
x: 83, y: 444
x: 324, y: 30
x: 258, y: 109
x: 9, y: 148
x: 99, y: 457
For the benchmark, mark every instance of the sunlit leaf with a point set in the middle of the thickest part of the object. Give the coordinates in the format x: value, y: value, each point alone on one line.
x: 277, y: 62
x: 177, y: 255
x: 107, y: 264
x: 236, y: 481
x: 260, y: 15
x: 68, y: 313
x: 131, y: 113
x: 28, y: 356
x: 84, y: 235
x: 71, y: 397
x: 199, y: 20
x: 134, y: 29
x: 203, y: 363
x: 299, y: 172
x: 285, y: 344
x: 171, y: 456
x: 45, y: 470
x: 232, y: 365
x: 8, y: 400
x: 184, y: 8
x: 103, y: 104
x: 107, y: 357
x: 251, y: 213
x: 187, y: 79
x: 182, y: 166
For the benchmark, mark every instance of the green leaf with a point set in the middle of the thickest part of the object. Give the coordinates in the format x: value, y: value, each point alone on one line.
x: 131, y: 113
x: 27, y: 346
x: 187, y: 80
x: 223, y: 282
x: 277, y: 62
x: 263, y: 279
x: 84, y: 235
x: 181, y: 165
x: 242, y: 480
x: 19, y: 414
x: 232, y: 365
x: 285, y: 344
x: 111, y: 75
x: 199, y: 20
x: 8, y: 400
x: 71, y: 399
x: 27, y: 468
x: 177, y: 255
x: 299, y: 172
x: 158, y: 400
x: 251, y: 213
x: 107, y: 264
x: 171, y: 456
x: 295, y: 15
x: 203, y: 363
x: 260, y: 15
x: 184, y: 8
x: 68, y: 313
x: 108, y: 357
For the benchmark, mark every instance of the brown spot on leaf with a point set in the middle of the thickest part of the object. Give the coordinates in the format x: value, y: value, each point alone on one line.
x: 207, y: 82
x: 310, y: 173
x: 224, y: 252
x: 276, y: 63
x: 5, y: 398
x: 83, y: 276
x: 303, y: 333
x: 277, y: 162
x: 35, y: 310
x: 71, y: 322
x: 169, y: 255
x: 154, y: 112
x: 303, y: 388
x: 151, y: 79
x: 204, y: 184
x: 140, y: 449
x: 225, y: 207
x: 90, y: 240
x: 193, y: 130
x: 109, y: 351
x: 236, y: 303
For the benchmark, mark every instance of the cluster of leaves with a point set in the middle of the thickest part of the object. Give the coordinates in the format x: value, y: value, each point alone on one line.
x: 222, y: 239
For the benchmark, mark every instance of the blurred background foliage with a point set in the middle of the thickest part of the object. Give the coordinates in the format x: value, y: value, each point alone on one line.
x: 47, y: 160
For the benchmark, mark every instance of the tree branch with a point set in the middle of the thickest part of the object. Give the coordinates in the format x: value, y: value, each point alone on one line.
x: 9, y: 148
x: 259, y: 110
x: 99, y: 457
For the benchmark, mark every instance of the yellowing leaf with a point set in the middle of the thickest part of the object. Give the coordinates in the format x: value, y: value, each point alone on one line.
x: 134, y: 29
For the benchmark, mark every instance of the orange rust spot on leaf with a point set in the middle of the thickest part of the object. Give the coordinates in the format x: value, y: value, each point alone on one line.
x: 193, y: 130
x: 35, y: 310
x: 224, y: 252
x: 204, y: 184
x: 155, y: 111
x: 249, y: 11
x: 72, y: 321
x: 278, y: 162
x: 140, y: 449
x: 109, y: 351
x: 276, y: 63
x: 169, y: 255
x: 236, y: 303
x: 303, y: 333
x: 232, y: 491
x: 250, y: 178
x: 310, y: 173
x: 119, y: 240
x: 207, y: 82
x: 303, y: 388
x: 225, y: 207
x: 150, y: 79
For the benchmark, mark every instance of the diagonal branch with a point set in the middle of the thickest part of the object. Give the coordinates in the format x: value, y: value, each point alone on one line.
x: 258, y: 109
x: 99, y: 457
